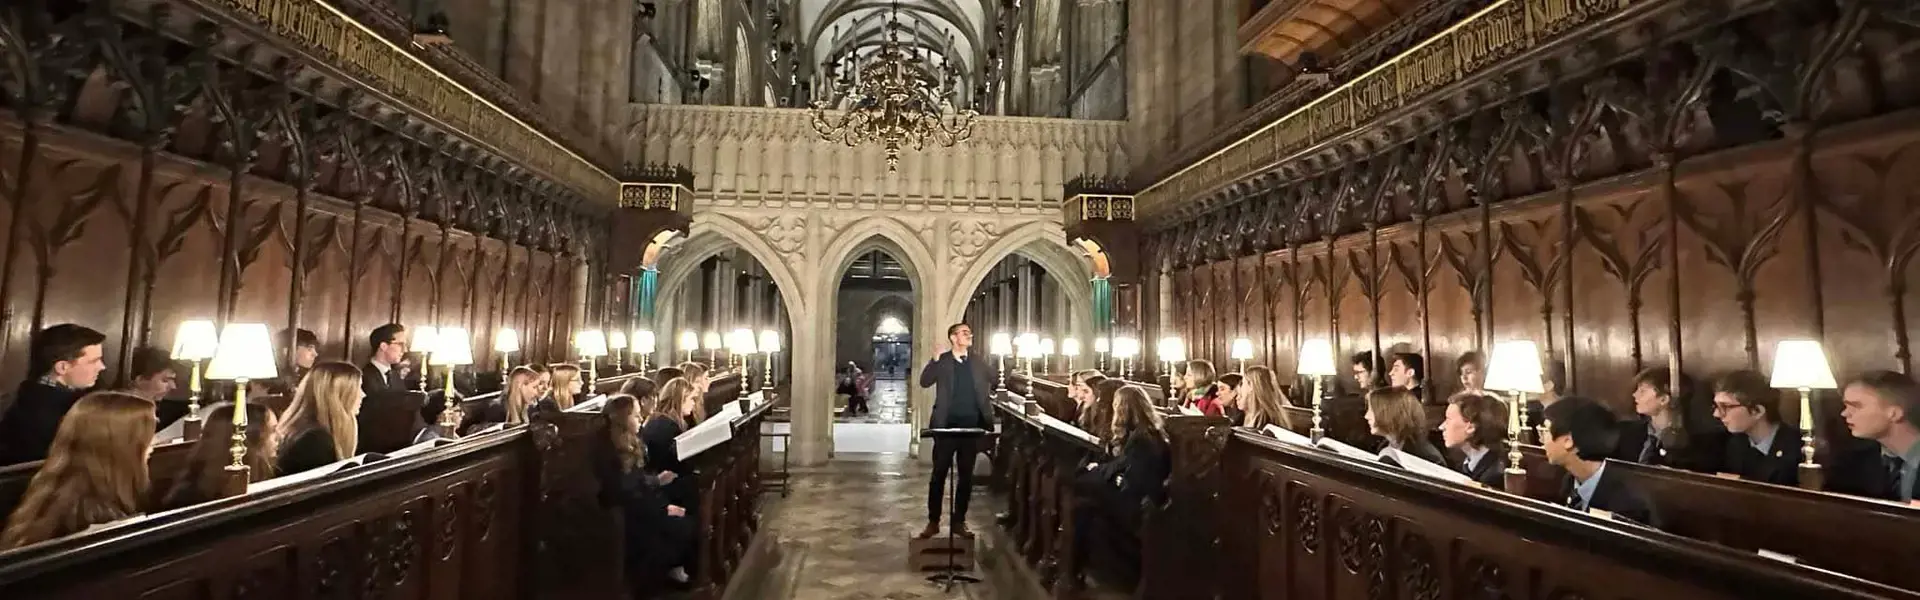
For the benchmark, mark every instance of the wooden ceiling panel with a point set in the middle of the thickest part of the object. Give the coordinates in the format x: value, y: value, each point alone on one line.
x: 1284, y: 29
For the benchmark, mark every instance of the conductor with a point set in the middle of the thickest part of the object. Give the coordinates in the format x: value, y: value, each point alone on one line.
x: 960, y: 401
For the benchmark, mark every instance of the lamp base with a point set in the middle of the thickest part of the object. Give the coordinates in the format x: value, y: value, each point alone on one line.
x: 1515, y: 480
x: 1813, y: 477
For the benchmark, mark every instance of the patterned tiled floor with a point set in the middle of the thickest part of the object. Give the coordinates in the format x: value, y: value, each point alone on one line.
x: 848, y: 523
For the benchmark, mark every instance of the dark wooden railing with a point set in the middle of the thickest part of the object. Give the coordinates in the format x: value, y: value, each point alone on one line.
x: 510, y: 514
x: 1862, y: 537
x: 1249, y: 517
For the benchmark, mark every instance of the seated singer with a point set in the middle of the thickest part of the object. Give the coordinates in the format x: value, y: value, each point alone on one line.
x: 960, y: 402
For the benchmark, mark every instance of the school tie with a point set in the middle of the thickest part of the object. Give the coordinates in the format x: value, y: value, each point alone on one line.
x: 1896, y: 466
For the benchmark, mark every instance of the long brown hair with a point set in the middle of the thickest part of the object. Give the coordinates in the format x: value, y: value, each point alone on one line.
x: 1133, y: 413
x: 95, y: 472
x: 514, y: 403
x: 1098, y: 419
x: 672, y: 394
x: 566, y: 383
x: 1398, y: 415
x: 625, y: 437
x: 327, y: 399
x: 201, y: 479
x: 1259, y: 392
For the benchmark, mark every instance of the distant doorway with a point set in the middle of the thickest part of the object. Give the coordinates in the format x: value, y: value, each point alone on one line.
x: 873, y: 355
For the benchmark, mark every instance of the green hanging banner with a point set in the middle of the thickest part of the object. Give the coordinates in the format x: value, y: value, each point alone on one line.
x: 1102, y: 305
x: 644, y: 294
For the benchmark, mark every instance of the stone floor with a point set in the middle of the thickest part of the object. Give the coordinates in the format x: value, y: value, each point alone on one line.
x: 888, y: 405
x: 844, y: 528
x: 847, y: 522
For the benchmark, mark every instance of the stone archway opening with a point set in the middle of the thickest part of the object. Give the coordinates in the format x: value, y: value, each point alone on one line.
x: 876, y: 303
x: 708, y: 289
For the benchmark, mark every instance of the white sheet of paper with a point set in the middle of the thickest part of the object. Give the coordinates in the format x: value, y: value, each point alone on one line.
x: 420, y: 447
x: 1425, y: 467
x: 590, y: 405
x: 301, y: 477
x: 1191, y: 411
x: 1288, y: 436
x: 692, y: 442
x: 1343, y: 449
x: 1069, y: 428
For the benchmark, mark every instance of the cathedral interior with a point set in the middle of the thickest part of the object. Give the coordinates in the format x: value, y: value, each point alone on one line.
x: 729, y: 298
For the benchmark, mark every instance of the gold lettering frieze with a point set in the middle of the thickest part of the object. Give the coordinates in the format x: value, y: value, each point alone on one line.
x: 331, y: 35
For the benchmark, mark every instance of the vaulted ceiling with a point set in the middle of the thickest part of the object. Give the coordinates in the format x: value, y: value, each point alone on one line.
x: 949, y: 30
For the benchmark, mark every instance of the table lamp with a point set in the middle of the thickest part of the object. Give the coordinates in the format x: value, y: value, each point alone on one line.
x: 1515, y: 367
x: 712, y: 343
x: 195, y: 341
x: 1801, y: 365
x: 453, y: 348
x: 644, y: 345
x: 1026, y: 348
x: 740, y: 344
x: 1046, y: 355
x: 506, y: 341
x: 245, y: 353
x: 770, y: 344
x: 1001, y: 344
x: 689, y: 342
x: 423, y: 341
x: 617, y: 342
x: 1101, y: 347
x: 1242, y: 351
x: 1171, y: 350
x: 1070, y: 348
x: 1316, y: 361
x: 1125, y: 349
x: 591, y: 344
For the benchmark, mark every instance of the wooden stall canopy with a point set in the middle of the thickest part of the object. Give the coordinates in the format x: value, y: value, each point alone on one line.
x: 439, y: 524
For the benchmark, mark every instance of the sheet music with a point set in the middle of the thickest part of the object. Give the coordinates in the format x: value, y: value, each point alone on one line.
x: 714, y: 431
x: 590, y: 405
x: 1191, y: 411
x: 1425, y: 467
x: 301, y: 477
x: 1340, y: 448
x: 1288, y: 436
x: 1070, y: 429
x: 177, y: 430
x: 420, y: 447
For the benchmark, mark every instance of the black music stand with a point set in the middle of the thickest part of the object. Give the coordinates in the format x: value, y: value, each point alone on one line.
x: 952, y: 573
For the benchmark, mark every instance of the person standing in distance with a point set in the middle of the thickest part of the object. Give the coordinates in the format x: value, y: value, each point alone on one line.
x: 961, y: 401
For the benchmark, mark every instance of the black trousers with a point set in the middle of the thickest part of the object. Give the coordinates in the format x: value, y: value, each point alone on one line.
x: 946, y: 452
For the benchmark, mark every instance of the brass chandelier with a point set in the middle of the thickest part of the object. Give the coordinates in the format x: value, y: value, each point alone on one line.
x: 897, y: 99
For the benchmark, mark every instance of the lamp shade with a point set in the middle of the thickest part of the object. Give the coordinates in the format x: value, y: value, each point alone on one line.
x: 1100, y: 344
x: 1801, y: 364
x: 591, y: 343
x: 689, y: 340
x: 1172, y: 349
x: 506, y: 340
x: 1316, y: 358
x: 741, y: 342
x: 1000, y: 343
x: 643, y: 341
x: 196, y: 339
x: 245, y: 352
x: 1242, y: 349
x: 424, y: 338
x: 1126, y: 347
x: 769, y: 341
x: 453, y: 347
x: 1515, y: 367
x: 1028, y: 345
x: 616, y: 340
x: 712, y: 341
x: 1046, y: 346
x: 1070, y: 347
